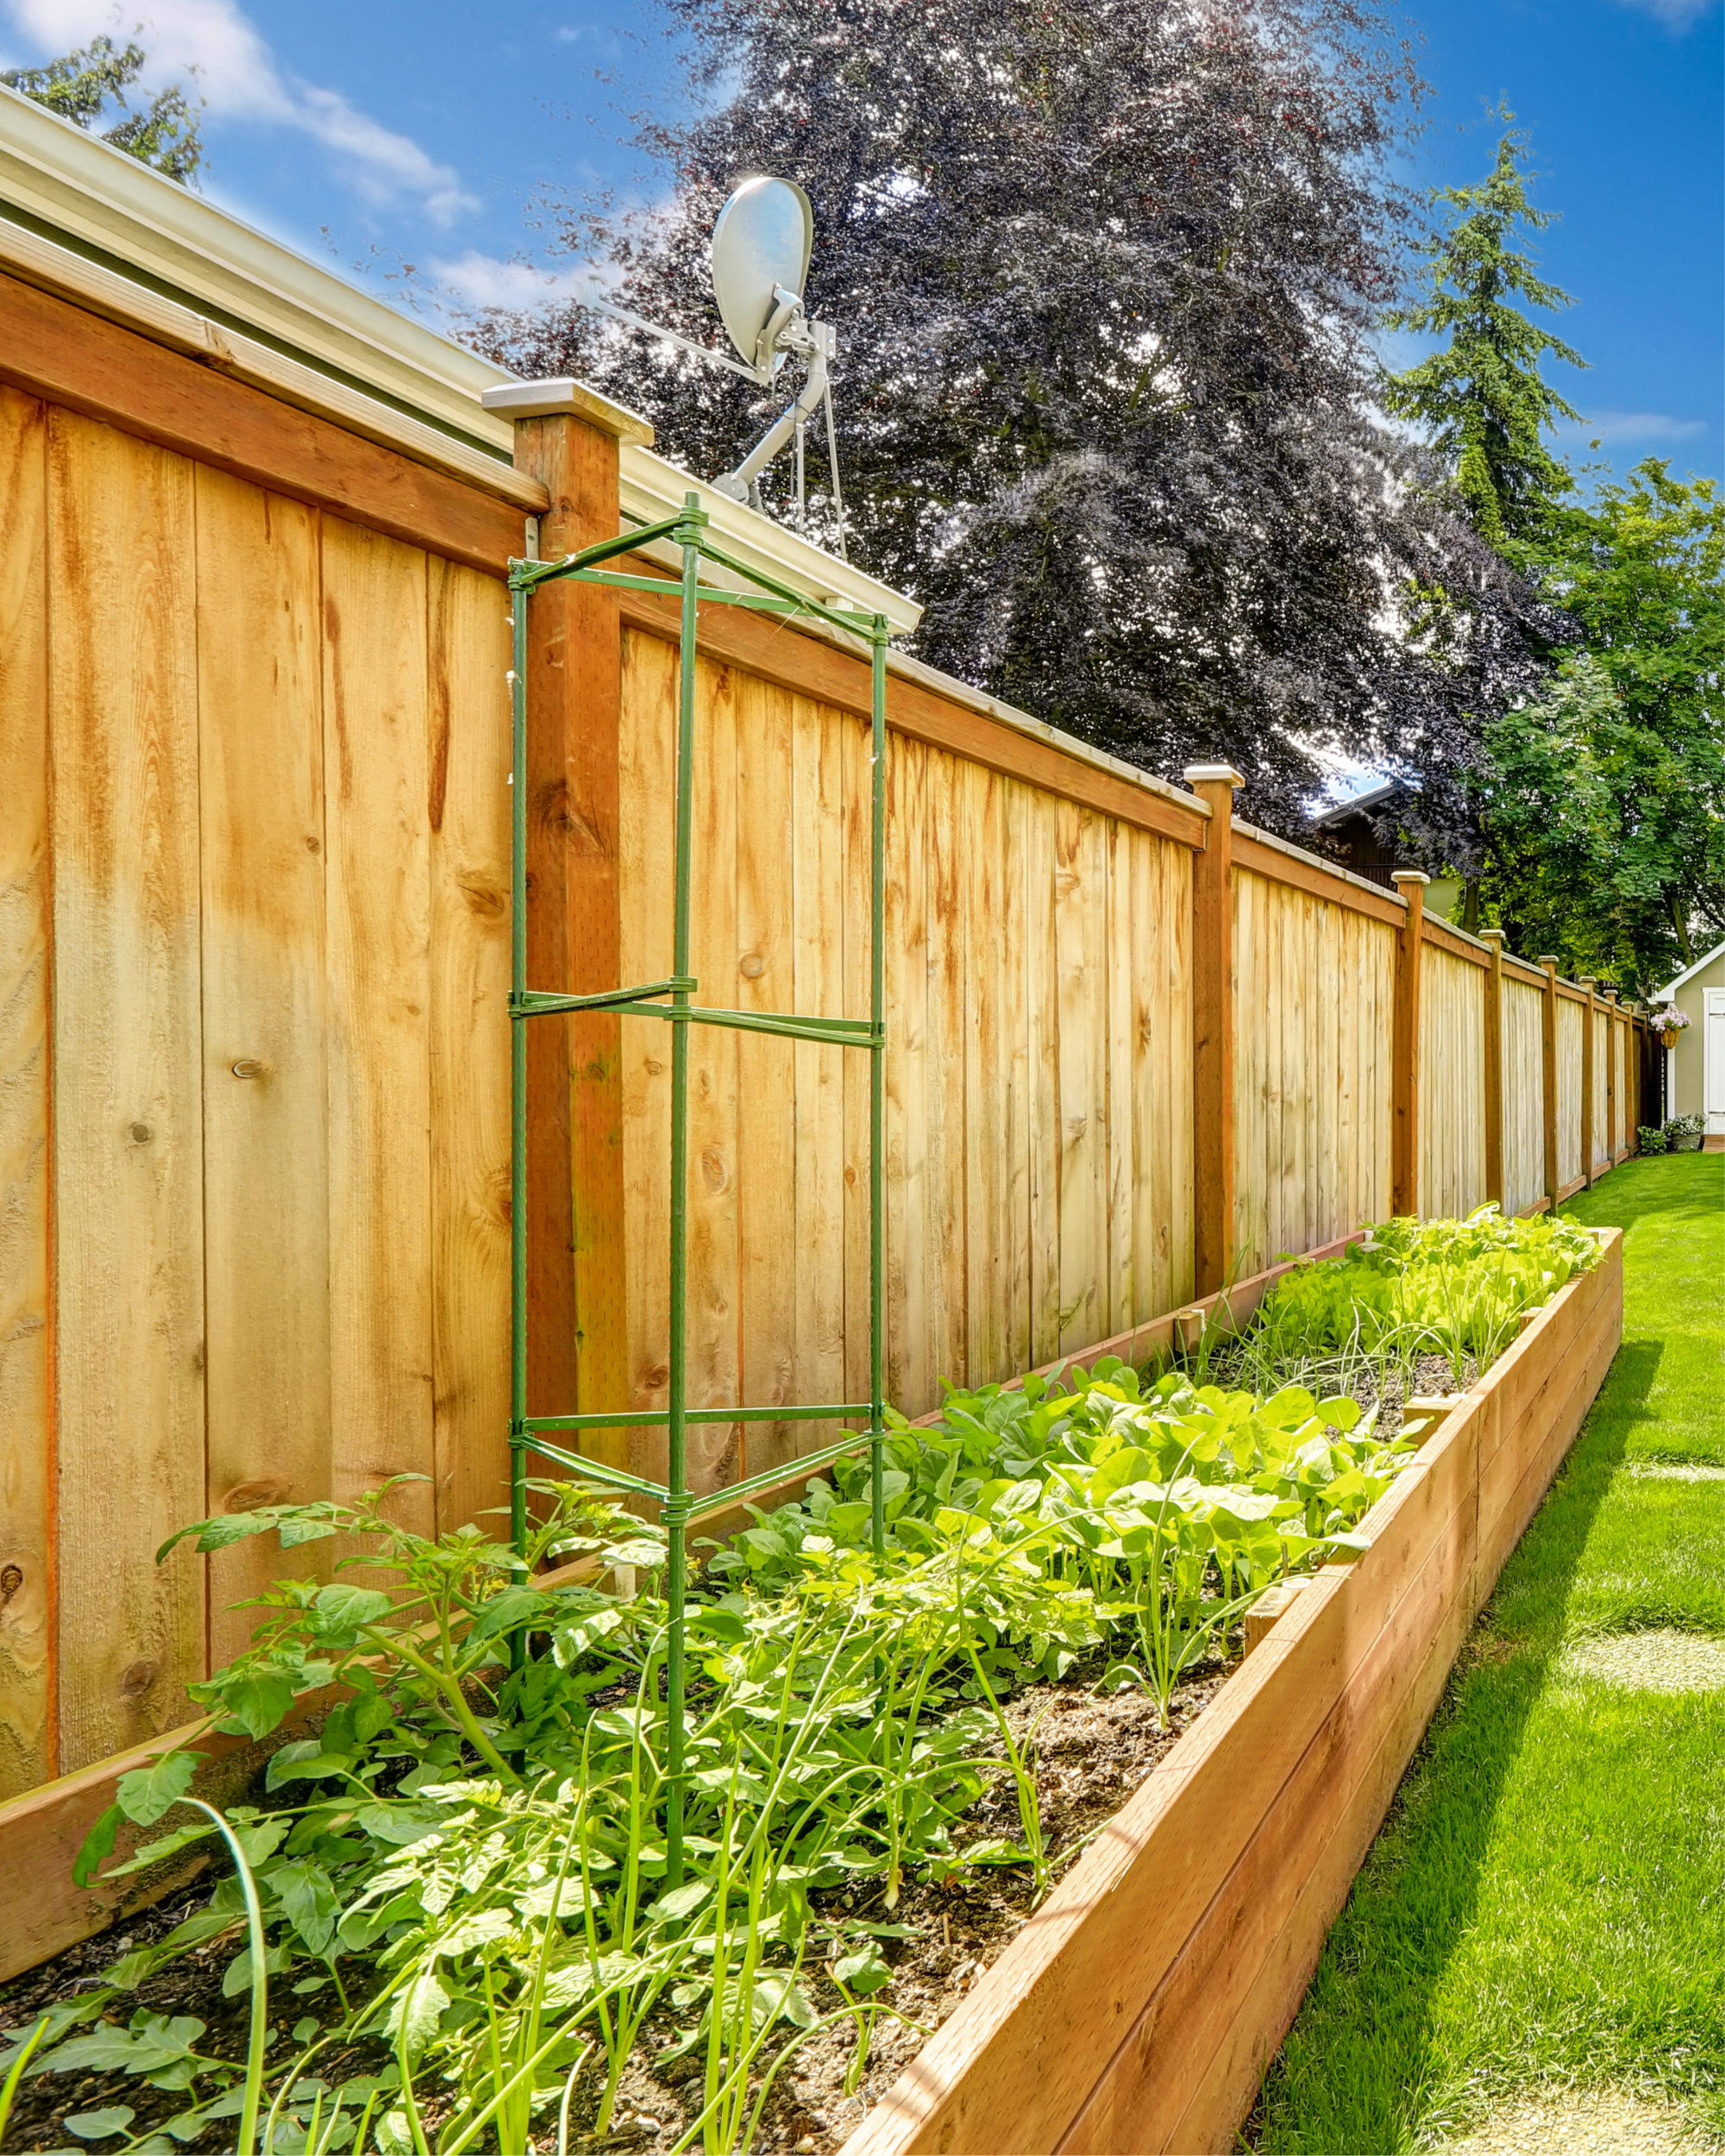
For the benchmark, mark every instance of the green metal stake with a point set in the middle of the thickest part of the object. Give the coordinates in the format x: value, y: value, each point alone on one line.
x: 675, y: 1513
x: 877, y: 1092
x: 527, y: 1432
x: 518, y: 1094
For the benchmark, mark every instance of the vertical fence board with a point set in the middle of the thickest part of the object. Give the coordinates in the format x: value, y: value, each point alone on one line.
x: 27, y: 1734
x: 377, y: 785
x: 823, y: 915
x: 1571, y: 1019
x: 1017, y: 1051
x: 468, y: 647
x: 267, y: 1191
x: 908, y: 1372
x: 987, y: 1223
x: 1524, y: 1167
x: 944, y: 1073
x: 1042, y: 1007
x: 646, y: 867
x: 1081, y: 914
x: 127, y: 1118
x: 714, y: 1304
x: 761, y: 976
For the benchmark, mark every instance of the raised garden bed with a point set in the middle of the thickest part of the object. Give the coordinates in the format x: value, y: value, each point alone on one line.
x: 1138, y: 2007
x: 1134, y: 2007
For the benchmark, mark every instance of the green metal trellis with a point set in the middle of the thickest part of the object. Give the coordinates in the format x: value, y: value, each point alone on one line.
x: 670, y: 1001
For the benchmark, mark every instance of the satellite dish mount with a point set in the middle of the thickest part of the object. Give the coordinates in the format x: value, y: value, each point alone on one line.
x: 761, y: 247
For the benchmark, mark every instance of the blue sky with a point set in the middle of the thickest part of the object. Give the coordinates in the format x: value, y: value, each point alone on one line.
x: 379, y: 132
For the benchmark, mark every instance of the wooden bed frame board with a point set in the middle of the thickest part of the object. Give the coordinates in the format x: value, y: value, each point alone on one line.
x: 1138, y: 2007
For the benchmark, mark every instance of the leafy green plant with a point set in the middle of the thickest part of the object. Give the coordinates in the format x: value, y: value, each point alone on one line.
x: 461, y: 1862
x: 1458, y: 1288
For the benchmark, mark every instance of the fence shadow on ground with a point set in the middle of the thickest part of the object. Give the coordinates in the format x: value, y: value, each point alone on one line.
x: 1352, y: 2072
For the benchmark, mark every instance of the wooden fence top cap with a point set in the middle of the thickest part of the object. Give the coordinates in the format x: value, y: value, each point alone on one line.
x: 1493, y: 934
x: 565, y: 398
x: 1212, y: 775
x: 1410, y: 875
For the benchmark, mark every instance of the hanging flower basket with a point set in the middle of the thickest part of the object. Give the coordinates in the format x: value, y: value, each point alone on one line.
x: 1671, y: 1023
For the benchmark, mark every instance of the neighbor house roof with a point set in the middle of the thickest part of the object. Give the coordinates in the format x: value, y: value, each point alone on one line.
x: 1700, y: 966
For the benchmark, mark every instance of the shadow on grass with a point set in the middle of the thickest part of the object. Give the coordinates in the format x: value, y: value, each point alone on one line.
x: 1354, y: 2072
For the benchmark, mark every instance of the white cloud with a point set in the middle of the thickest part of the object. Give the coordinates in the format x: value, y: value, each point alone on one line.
x: 237, y: 75
x: 486, y: 280
x: 1676, y: 15
x: 1622, y: 427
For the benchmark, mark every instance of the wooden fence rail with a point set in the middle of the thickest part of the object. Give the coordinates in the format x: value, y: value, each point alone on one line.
x: 254, y: 1056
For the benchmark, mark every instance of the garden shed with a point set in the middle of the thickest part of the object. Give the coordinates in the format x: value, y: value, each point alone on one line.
x: 1694, y: 1067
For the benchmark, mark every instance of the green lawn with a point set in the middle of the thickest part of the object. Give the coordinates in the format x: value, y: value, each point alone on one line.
x: 1547, y: 1900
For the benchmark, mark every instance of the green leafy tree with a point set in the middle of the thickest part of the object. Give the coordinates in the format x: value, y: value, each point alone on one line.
x: 84, y: 86
x: 1605, y: 795
x: 1482, y: 394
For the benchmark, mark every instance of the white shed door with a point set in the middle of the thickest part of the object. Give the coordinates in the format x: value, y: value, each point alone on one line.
x: 1713, y: 1047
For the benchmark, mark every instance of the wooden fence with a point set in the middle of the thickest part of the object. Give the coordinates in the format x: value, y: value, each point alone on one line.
x: 253, y: 1056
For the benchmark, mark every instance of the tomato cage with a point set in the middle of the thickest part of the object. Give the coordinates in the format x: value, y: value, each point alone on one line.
x: 557, y: 1438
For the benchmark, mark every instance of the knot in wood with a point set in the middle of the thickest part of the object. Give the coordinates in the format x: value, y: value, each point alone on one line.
x: 138, y: 1677
x: 11, y: 1579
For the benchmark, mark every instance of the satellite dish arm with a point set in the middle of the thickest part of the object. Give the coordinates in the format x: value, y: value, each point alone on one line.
x: 818, y: 342
x: 670, y: 336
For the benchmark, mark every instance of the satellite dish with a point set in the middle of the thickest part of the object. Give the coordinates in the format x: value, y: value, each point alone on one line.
x: 760, y: 248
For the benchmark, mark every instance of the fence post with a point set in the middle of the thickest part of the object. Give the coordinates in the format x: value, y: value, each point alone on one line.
x: 1611, y: 1036
x: 1404, y: 1049
x: 578, y: 1342
x: 1493, y: 940
x: 1586, y: 981
x: 1548, y: 1045
x: 1212, y: 1031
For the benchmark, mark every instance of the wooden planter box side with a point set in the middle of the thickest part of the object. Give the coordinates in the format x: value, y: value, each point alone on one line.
x: 1138, y: 2010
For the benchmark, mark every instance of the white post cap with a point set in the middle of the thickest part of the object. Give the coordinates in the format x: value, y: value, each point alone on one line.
x: 568, y: 399
x: 1212, y: 775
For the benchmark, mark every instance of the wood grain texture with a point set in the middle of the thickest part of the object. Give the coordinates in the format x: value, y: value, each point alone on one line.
x: 1523, y: 1093
x: 945, y: 1153
x: 1301, y: 873
x: 266, y: 1185
x: 467, y: 646
x: 377, y: 767
x: 1452, y: 1104
x: 910, y: 1375
x: 762, y: 976
x: 1494, y: 1069
x: 1216, y: 1018
x: 77, y: 360
x: 809, y: 665
x: 647, y: 755
x: 1080, y: 927
x: 28, y: 1735
x: 1570, y: 1033
x: 1406, y: 1034
x: 1312, y: 1104
x: 715, y: 1346
x: 1138, y: 2010
x: 575, y: 718
x: 822, y: 932
x: 127, y: 1111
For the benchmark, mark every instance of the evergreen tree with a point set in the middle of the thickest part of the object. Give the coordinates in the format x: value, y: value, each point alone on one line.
x: 1482, y: 395
x: 81, y: 86
x: 1105, y: 274
x: 1605, y: 794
